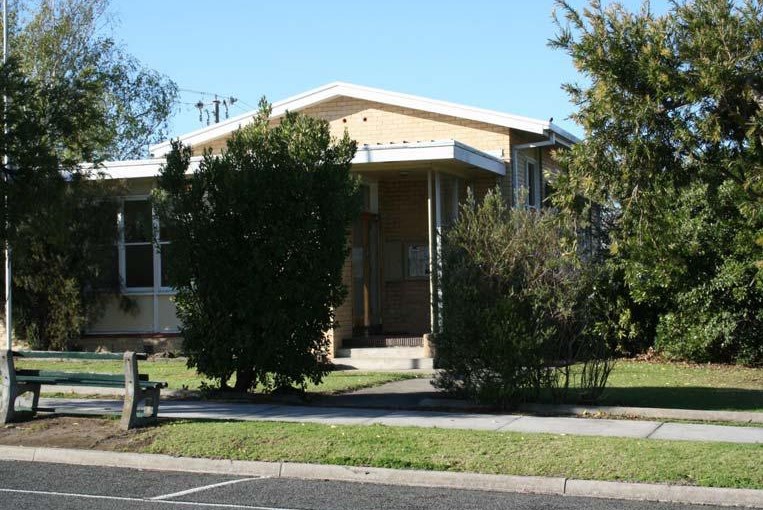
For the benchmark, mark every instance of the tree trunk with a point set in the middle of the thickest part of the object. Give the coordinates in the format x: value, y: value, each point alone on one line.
x: 244, y: 379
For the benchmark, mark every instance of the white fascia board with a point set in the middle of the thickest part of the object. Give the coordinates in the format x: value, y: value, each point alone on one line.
x: 429, y: 151
x: 563, y: 133
x: 339, y: 89
x: 479, y: 159
x: 135, y: 169
x: 405, y: 152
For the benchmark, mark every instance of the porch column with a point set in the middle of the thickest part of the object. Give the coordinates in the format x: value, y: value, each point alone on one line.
x: 434, y: 210
x: 438, y: 246
x: 430, y: 233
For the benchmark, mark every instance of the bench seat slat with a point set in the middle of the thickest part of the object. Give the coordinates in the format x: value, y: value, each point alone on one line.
x: 47, y: 381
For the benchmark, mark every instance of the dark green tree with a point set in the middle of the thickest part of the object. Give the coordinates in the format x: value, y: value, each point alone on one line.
x: 75, y: 96
x: 672, y: 108
x: 58, y: 218
x: 258, y: 244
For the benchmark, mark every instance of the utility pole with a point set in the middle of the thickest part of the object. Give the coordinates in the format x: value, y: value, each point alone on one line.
x: 217, y: 109
x: 216, y: 102
x: 8, y: 279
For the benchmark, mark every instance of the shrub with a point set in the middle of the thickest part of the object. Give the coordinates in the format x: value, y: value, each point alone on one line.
x: 522, y: 310
x: 259, y: 241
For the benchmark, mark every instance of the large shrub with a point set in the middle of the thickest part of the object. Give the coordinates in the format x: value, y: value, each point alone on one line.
x: 65, y: 262
x: 672, y: 107
x: 57, y: 217
x: 523, y: 312
x: 258, y: 244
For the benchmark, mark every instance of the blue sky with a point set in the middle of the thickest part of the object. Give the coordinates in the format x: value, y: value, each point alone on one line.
x: 490, y: 54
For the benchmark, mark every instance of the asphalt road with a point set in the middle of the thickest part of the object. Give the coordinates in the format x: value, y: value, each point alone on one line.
x: 34, y: 485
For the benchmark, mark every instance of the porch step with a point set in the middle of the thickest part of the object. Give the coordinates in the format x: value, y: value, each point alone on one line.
x: 378, y: 363
x: 381, y: 352
x: 383, y: 341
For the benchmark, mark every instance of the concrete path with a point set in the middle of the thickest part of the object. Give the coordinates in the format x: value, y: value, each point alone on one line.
x: 215, y: 410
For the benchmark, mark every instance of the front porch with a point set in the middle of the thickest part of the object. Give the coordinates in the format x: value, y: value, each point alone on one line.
x: 411, y: 191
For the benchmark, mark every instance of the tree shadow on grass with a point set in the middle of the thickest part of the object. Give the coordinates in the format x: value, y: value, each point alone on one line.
x: 689, y: 397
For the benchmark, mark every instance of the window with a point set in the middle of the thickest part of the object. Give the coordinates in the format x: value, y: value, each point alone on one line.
x: 533, y: 180
x: 139, y: 259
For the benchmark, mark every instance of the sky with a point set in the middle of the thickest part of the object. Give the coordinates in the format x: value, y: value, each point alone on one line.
x: 488, y: 54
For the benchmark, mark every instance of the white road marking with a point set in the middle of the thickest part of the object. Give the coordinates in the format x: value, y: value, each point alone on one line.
x: 204, y: 488
x: 142, y: 500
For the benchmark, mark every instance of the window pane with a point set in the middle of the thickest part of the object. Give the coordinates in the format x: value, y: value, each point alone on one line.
x: 137, y: 218
x: 139, y: 266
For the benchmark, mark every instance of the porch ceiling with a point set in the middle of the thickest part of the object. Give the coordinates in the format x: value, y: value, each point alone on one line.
x: 445, y: 154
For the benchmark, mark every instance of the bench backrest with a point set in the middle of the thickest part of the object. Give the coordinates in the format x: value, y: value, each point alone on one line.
x: 76, y: 355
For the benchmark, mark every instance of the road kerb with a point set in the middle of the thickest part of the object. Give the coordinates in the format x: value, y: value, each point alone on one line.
x: 23, y: 453
x: 451, y: 480
x: 465, y: 481
x: 154, y: 462
x: 665, y: 493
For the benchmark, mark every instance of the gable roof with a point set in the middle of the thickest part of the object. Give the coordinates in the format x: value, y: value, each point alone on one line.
x: 341, y: 89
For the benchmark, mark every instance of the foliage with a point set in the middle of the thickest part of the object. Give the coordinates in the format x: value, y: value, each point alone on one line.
x: 521, y: 307
x: 69, y: 40
x: 58, y: 218
x: 258, y: 247
x: 74, y: 96
x: 673, y: 114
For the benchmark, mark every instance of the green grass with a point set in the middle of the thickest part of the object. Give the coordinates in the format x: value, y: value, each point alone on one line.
x: 178, y: 376
x: 597, y: 458
x: 632, y: 383
x: 685, y: 386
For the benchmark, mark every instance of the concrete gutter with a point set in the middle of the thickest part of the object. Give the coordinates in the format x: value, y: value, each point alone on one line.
x: 452, y: 480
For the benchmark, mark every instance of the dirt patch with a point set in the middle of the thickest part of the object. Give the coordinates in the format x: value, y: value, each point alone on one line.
x: 82, y: 432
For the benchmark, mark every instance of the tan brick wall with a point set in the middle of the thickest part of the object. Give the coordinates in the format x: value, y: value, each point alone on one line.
x: 403, y: 217
x: 371, y: 123
x: 343, y: 313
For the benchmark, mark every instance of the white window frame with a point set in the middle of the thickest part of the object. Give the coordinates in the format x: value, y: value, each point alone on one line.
x: 537, y: 179
x: 157, y: 288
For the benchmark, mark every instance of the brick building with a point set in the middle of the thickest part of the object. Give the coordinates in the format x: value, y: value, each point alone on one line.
x: 416, y: 159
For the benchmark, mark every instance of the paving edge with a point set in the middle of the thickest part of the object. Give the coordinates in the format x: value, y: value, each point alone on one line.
x: 444, y: 479
x: 648, y: 413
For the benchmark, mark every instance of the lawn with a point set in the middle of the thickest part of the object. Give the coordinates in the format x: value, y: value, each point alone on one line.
x: 599, y: 458
x: 179, y: 376
x: 685, y: 386
x: 632, y: 383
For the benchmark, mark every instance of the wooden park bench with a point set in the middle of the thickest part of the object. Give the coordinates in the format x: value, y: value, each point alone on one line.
x: 141, y: 403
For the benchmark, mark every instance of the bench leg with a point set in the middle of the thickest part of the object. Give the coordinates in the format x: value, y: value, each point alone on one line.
x: 132, y: 393
x: 10, y: 390
x: 151, y: 404
x: 7, y: 387
x: 135, y: 397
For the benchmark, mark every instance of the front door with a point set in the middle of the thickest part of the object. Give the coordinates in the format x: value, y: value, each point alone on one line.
x: 366, y: 309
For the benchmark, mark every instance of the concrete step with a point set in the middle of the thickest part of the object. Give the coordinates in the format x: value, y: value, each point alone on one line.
x: 381, y: 352
x: 378, y: 363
